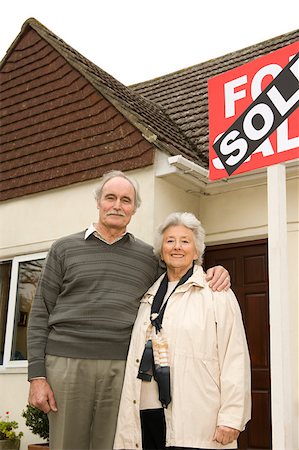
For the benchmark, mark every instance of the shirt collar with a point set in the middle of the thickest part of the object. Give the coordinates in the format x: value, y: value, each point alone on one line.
x: 92, y: 230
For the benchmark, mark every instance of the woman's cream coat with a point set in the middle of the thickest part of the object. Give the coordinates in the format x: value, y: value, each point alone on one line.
x: 209, y: 364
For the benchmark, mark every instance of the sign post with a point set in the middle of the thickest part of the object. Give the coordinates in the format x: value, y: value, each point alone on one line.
x: 254, y: 116
x: 280, y: 357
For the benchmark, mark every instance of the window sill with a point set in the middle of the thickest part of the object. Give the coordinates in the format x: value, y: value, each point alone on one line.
x: 13, y: 368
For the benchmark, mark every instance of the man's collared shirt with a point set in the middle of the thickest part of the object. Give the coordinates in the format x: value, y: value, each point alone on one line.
x: 92, y: 230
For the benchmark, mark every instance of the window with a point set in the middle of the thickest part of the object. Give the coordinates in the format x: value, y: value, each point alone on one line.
x: 5, y: 271
x: 18, y: 282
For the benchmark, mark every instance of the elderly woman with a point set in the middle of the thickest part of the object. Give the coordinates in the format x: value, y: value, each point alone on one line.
x: 187, y: 381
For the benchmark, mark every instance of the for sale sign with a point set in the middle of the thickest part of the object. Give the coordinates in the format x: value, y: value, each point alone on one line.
x: 254, y: 114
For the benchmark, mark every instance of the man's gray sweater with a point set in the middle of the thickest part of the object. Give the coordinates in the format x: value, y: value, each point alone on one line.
x: 87, y: 299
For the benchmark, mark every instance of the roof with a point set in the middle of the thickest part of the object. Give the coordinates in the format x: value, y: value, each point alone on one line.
x: 57, y: 129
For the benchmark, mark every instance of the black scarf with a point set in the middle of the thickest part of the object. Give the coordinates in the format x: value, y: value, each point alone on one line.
x: 147, y: 367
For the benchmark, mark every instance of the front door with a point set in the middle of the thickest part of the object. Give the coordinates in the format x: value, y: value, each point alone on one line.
x: 247, y: 263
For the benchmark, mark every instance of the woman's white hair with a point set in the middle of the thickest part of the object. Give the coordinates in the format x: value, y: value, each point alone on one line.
x: 113, y: 174
x: 189, y: 221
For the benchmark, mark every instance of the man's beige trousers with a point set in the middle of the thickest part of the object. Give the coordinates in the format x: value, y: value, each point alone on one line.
x: 87, y: 394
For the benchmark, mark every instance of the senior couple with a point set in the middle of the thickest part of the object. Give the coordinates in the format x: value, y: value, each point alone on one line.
x: 186, y: 383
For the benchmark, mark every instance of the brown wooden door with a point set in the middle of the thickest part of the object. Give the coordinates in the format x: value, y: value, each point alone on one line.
x: 247, y: 263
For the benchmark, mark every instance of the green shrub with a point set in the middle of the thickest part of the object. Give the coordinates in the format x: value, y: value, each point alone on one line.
x: 7, y: 428
x: 37, y: 421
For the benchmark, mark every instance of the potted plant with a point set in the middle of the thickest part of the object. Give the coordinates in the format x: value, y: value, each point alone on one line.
x: 37, y: 421
x: 9, y: 438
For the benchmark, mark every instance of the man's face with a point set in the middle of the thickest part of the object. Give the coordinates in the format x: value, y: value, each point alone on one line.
x: 117, y: 203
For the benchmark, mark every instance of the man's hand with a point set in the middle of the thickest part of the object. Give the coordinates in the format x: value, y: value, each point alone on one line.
x: 41, y: 395
x: 219, y: 278
x: 225, y: 435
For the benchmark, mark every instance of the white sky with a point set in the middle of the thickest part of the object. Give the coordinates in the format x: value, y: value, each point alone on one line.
x: 136, y: 40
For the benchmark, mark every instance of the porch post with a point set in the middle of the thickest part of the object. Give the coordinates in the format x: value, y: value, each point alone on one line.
x: 281, y: 370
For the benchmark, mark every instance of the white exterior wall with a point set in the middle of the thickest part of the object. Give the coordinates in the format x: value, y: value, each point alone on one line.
x: 235, y: 216
x: 32, y: 223
x: 170, y: 198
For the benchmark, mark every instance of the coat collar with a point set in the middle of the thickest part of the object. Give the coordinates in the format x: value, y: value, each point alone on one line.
x: 197, y: 279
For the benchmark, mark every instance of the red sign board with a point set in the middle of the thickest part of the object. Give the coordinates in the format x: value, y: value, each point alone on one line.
x: 248, y: 98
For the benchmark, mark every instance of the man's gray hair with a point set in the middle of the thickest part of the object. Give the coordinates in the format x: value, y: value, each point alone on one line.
x: 189, y: 221
x: 113, y: 174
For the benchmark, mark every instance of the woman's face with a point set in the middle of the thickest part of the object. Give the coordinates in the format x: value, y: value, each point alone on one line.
x: 178, y: 248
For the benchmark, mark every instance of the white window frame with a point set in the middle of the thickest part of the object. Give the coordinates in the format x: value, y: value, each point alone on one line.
x: 11, y: 312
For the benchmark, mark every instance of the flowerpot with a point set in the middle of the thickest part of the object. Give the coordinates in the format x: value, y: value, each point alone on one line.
x: 9, y: 445
x: 44, y: 446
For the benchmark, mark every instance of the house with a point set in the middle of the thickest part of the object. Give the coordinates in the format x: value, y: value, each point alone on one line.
x: 65, y: 122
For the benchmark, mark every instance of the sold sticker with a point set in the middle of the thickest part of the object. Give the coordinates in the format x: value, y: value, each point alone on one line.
x: 254, y: 114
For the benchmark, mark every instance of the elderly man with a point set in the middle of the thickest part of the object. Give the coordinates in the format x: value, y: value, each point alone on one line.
x: 82, y: 317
